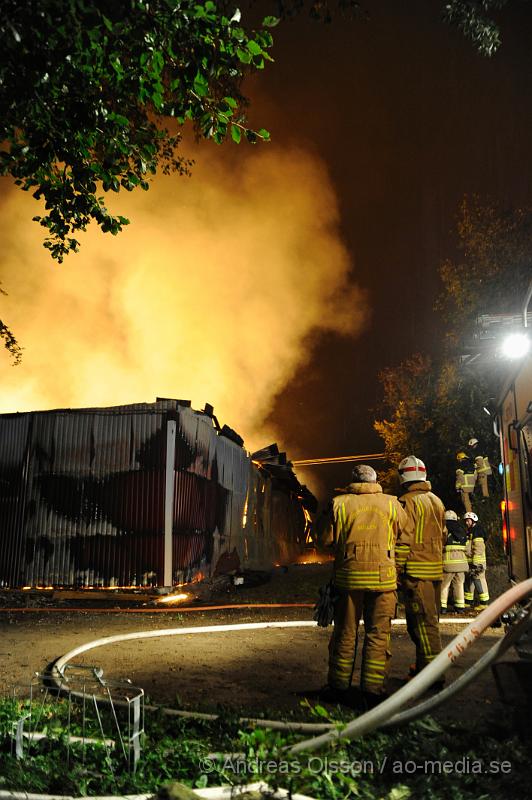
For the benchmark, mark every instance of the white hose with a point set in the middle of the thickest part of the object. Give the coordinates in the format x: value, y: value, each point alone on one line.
x: 57, y: 672
x: 466, y: 678
x: 209, y: 793
x: 374, y: 718
x: 6, y: 794
x: 302, y: 727
x: 363, y: 724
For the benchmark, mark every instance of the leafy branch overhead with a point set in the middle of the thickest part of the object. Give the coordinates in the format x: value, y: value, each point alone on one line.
x: 10, y: 342
x: 87, y: 90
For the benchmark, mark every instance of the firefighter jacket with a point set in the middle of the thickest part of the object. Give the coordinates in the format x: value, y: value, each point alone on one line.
x: 454, y: 552
x: 420, y: 545
x: 476, y: 546
x: 467, y: 463
x: 482, y: 465
x: 363, y: 524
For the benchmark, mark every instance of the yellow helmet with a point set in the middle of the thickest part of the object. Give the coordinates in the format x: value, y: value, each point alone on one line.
x: 460, y: 456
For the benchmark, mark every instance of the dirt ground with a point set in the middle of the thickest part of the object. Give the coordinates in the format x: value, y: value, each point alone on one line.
x: 258, y: 671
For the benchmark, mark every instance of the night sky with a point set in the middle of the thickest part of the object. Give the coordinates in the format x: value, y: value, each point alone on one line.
x: 219, y: 289
x: 408, y: 118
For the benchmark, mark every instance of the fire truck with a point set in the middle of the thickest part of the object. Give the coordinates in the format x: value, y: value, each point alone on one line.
x: 514, y: 424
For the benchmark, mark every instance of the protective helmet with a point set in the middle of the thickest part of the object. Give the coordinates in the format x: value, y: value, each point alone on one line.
x: 451, y: 515
x: 460, y: 456
x: 412, y: 469
x: 472, y: 442
x: 362, y: 473
x: 470, y: 515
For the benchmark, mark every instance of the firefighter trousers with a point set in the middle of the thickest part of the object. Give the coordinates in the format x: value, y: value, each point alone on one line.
x: 422, y: 604
x: 377, y: 609
x: 479, y: 583
x: 454, y: 580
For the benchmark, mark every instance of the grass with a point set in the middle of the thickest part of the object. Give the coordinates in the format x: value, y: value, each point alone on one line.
x: 423, y: 760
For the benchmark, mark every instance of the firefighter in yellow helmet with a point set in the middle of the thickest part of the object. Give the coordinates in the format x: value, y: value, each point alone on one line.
x: 419, y: 559
x: 466, y: 478
x: 362, y: 526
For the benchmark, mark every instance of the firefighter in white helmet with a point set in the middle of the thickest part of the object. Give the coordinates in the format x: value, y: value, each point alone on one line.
x: 362, y: 526
x: 455, y: 564
x: 476, y: 555
x: 419, y: 559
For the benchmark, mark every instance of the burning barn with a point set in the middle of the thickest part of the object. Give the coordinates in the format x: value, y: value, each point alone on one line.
x: 151, y: 494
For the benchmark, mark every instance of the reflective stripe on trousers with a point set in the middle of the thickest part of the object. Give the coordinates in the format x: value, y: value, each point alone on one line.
x: 377, y: 609
x: 422, y: 603
x: 454, y: 580
x: 480, y: 584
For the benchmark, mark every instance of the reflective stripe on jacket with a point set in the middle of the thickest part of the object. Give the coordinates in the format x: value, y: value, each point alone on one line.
x: 465, y: 481
x: 363, y: 526
x: 476, y: 550
x: 454, y: 552
x: 454, y: 558
x: 420, y: 546
x: 482, y: 465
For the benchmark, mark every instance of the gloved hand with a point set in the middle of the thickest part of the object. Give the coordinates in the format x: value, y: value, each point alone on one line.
x: 476, y: 570
x: 324, y: 608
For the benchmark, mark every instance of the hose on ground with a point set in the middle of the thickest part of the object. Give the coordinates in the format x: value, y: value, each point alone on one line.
x: 385, y: 712
x: 387, y: 709
x: 59, y: 680
x: 491, y: 655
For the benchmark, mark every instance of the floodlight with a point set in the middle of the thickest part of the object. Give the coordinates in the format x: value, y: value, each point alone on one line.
x: 516, y: 345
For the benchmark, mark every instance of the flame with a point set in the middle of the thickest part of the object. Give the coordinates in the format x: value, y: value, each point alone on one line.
x: 37, y: 588
x: 172, y: 599
x: 308, y: 528
x: 313, y: 557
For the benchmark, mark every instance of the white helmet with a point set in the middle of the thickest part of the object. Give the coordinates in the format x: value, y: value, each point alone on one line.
x: 470, y: 515
x: 472, y: 442
x: 412, y: 469
x: 451, y: 515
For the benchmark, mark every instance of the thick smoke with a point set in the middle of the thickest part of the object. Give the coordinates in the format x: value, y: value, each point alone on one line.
x: 209, y: 295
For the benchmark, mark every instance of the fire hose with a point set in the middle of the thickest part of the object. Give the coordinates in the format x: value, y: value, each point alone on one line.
x: 386, y: 710
x: 387, y: 713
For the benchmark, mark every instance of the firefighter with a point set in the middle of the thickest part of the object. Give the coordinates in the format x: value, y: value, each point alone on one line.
x: 455, y: 564
x: 362, y: 527
x: 466, y: 478
x: 483, y: 469
x: 476, y: 555
x: 419, y: 559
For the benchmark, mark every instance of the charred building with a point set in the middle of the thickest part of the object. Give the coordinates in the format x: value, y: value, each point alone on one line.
x: 151, y: 494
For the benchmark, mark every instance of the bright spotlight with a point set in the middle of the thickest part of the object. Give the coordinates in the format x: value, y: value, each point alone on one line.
x: 516, y: 345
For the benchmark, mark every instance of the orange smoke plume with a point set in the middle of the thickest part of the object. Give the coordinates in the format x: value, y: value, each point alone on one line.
x: 208, y: 295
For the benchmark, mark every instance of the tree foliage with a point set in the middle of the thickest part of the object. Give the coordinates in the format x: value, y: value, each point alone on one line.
x: 10, y: 342
x: 474, y: 18
x: 494, y: 268
x: 431, y: 407
x: 94, y: 94
x: 87, y: 88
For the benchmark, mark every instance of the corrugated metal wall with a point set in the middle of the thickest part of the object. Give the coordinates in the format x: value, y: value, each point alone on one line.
x: 82, y: 497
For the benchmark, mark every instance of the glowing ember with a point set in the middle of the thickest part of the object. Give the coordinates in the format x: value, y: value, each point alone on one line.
x: 312, y: 557
x: 175, y: 598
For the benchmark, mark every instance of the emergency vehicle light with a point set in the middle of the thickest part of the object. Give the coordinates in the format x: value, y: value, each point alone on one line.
x: 516, y: 345
x: 504, y: 528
